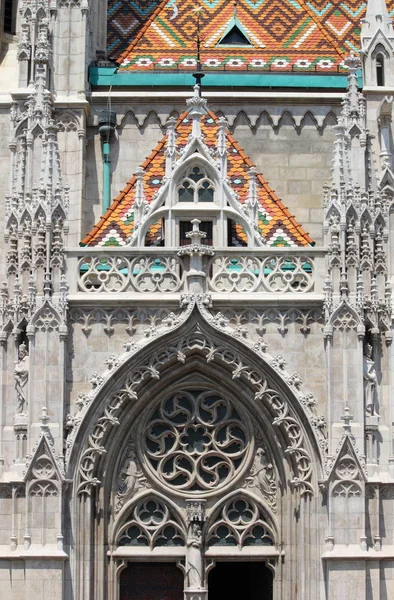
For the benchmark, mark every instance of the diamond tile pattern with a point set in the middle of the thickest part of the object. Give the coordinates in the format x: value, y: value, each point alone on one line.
x: 276, y: 224
x: 296, y: 35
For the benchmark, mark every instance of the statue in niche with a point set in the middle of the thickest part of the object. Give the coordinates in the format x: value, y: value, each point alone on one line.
x: 130, y: 480
x: 21, y: 375
x: 194, y: 566
x: 370, y: 382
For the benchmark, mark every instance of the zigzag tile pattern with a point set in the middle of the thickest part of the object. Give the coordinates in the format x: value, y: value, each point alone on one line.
x: 285, y: 35
x: 126, y: 18
x: 276, y: 224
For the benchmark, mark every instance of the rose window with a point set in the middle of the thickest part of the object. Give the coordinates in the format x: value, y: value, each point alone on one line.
x: 196, y: 441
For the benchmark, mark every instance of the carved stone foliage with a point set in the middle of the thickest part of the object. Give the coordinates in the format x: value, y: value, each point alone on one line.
x: 274, y: 401
x: 240, y: 523
x: 152, y: 524
x: 130, y: 479
x: 196, y: 441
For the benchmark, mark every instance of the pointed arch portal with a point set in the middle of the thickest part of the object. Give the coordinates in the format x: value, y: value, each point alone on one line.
x: 185, y: 454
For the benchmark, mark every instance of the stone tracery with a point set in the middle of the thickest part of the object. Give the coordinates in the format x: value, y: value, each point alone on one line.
x: 196, y: 441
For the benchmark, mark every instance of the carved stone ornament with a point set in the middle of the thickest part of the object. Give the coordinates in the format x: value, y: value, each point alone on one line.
x: 262, y: 477
x: 195, y: 510
x: 131, y: 478
x: 196, y: 441
x: 21, y: 374
x: 151, y: 523
x: 370, y: 382
x: 283, y: 415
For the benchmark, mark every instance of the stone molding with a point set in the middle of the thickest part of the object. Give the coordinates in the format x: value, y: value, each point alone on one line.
x: 284, y: 417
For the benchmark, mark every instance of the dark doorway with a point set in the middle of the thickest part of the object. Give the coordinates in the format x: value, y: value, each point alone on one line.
x: 151, y: 581
x: 240, y: 581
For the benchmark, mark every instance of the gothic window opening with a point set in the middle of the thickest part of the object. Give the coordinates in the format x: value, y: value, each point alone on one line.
x: 196, y: 187
x: 380, y: 70
x: 186, y: 226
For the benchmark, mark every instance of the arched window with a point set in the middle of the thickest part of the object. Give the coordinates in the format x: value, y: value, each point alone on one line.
x: 196, y: 187
x: 380, y: 70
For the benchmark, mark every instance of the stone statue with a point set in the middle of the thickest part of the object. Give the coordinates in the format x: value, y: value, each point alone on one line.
x: 194, y: 568
x: 370, y: 382
x: 261, y: 476
x: 131, y: 479
x: 130, y: 474
x: 21, y: 374
x: 260, y: 472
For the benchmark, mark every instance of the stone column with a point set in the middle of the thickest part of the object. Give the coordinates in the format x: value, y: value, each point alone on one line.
x: 195, y: 275
x: 195, y: 578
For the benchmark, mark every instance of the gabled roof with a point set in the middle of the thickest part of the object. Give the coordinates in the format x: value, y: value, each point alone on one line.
x: 296, y: 35
x: 276, y: 224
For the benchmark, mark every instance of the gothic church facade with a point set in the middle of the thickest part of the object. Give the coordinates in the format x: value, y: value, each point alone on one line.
x: 196, y: 371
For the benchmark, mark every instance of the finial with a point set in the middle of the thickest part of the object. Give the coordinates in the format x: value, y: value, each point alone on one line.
x: 44, y: 418
x: 346, y: 418
x: 198, y: 75
x: 353, y: 62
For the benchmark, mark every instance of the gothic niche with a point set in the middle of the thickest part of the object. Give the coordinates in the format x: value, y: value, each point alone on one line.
x: 195, y: 441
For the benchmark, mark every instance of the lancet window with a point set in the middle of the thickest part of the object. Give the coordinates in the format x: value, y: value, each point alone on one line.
x: 196, y: 187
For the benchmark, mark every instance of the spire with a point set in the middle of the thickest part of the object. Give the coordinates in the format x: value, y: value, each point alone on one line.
x: 354, y: 218
x: 377, y: 12
x: 198, y: 108
x: 376, y: 20
x: 377, y: 45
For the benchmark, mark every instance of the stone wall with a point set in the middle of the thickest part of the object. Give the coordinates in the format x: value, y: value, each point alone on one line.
x: 294, y: 153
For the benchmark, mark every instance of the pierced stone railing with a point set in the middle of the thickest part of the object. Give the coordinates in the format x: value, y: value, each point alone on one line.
x: 235, y: 271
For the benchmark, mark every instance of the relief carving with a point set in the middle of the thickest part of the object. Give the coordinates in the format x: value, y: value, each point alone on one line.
x: 130, y: 480
x: 262, y: 477
x: 21, y: 375
x: 370, y: 382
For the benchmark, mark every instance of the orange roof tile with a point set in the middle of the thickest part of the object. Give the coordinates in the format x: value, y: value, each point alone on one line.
x: 296, y: 35
x: 276, y: 224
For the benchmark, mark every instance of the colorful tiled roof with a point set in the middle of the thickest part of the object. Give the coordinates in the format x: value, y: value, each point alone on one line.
x: 278, y: 226
x: 296, y: 35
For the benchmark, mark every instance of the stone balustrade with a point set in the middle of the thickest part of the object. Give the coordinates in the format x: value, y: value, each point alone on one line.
x: 232, y: 271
